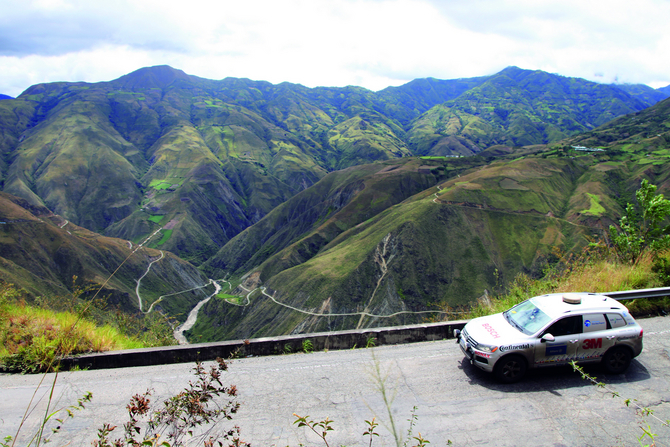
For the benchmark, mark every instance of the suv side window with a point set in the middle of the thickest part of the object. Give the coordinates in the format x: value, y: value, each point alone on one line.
x: 565, y: 326
x: 616, y: 320
x: 595, y: 322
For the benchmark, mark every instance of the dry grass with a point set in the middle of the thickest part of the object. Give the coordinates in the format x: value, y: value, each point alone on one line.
x: 596, y: 274
x: 607, y: 276
x: 32, y: 339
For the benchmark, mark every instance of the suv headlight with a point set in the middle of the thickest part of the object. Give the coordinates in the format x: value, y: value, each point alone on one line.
x: 486, y: 348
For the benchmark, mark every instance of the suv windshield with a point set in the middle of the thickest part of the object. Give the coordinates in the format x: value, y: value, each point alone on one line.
x: 527, y: 317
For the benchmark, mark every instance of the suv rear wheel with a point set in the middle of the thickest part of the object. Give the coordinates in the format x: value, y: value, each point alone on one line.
x: 510, y: 369
x: 616, y: 360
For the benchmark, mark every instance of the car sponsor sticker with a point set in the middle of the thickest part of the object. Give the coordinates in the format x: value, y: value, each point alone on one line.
x: 629, y: 337
x: 557, y: 349
x: 514, y: 347
x: 592, y: 355
x: 592, y: 343
x: 491, y: 330
x: 567, y: 358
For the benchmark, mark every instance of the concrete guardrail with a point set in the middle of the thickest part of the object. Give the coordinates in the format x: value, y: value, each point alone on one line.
x: 318, y: 341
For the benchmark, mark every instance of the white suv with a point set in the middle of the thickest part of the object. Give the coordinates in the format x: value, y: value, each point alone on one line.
x: 551, y: 330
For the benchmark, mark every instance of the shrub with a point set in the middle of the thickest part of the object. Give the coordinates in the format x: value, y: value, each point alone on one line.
x: 641, y: 230
x: 175, y: 422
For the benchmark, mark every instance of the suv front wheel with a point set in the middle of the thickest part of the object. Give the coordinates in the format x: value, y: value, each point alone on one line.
x: 510, y: 369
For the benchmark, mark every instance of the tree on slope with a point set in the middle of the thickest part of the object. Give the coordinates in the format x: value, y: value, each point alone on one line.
x: 642, y: 230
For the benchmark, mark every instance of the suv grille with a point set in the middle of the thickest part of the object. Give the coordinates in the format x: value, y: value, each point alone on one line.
x: 471, y: 341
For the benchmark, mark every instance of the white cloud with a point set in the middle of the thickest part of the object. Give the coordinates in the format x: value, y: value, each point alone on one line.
x: 373, y: 43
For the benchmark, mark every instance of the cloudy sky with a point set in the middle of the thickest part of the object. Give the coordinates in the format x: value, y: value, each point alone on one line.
x: 370, y: 43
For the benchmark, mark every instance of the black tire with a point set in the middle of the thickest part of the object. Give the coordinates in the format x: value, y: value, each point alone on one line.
x: 616, y: 360
x: 510, y: 369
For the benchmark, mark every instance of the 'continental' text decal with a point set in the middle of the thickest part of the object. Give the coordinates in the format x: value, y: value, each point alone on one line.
x: 514, y: 347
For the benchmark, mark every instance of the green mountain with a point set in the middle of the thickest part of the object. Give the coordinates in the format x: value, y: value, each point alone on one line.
x: 644, y: 93
x: 206, y: 159
x: 517, y: 108
x: 665, y: 90
x: 300, y: 227
x: 324, y: 266
x: 643, y: 134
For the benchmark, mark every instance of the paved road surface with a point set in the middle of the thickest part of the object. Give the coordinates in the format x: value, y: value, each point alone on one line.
x: 552, y: 407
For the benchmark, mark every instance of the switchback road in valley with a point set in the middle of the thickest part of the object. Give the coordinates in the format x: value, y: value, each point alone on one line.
x: 139, y: 280
x: 350, y: 314
x: 454, y: 401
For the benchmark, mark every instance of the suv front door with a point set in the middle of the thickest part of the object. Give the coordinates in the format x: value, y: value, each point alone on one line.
x: 566, y: 332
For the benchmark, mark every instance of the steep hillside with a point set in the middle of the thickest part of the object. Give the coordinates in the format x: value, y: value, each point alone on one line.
x: 299, y: 228
x: 42, y: 253
x: 408, y: 101
x: 438, y: 249
x: 644, y: 93
x: 665, y: 90
x: 313, y: 194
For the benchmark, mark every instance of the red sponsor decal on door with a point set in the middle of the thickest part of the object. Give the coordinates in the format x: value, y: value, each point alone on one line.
x: 592, y: 343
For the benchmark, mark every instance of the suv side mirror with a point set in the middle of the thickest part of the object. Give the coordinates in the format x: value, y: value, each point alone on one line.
x: 547, y: 337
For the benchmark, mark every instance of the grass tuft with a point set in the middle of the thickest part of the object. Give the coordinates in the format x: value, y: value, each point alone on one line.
x: 32, y: 339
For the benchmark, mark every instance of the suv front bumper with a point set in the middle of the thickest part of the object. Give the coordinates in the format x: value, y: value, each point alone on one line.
x: 481, y: 360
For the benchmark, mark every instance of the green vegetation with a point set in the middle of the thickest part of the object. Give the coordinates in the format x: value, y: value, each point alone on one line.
x: 432, y: 256
x: 164, y: 184
x: 596, y: 208
x: 238, y: 148
x: 307, y: 346
x: 33, y: 339
x: 156, y: 219
x: 41, y: 254
x: 642, y: 231
x: 241, y: 174
x: 234, y: 299
x: 166, y: 237
x: 507, y: 108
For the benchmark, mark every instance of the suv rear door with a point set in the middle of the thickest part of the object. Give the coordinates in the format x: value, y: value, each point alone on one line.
x: 597, y: 337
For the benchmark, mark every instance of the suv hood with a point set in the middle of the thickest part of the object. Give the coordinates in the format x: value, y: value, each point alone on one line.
x: 493, y: 330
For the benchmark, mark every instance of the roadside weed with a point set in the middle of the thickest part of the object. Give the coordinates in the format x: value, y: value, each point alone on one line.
x: 307, y: 346
x: 640, y: 410
x: 58, y: 415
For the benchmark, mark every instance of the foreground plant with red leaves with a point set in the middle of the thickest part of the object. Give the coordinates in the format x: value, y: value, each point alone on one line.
x: 175, y: 422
